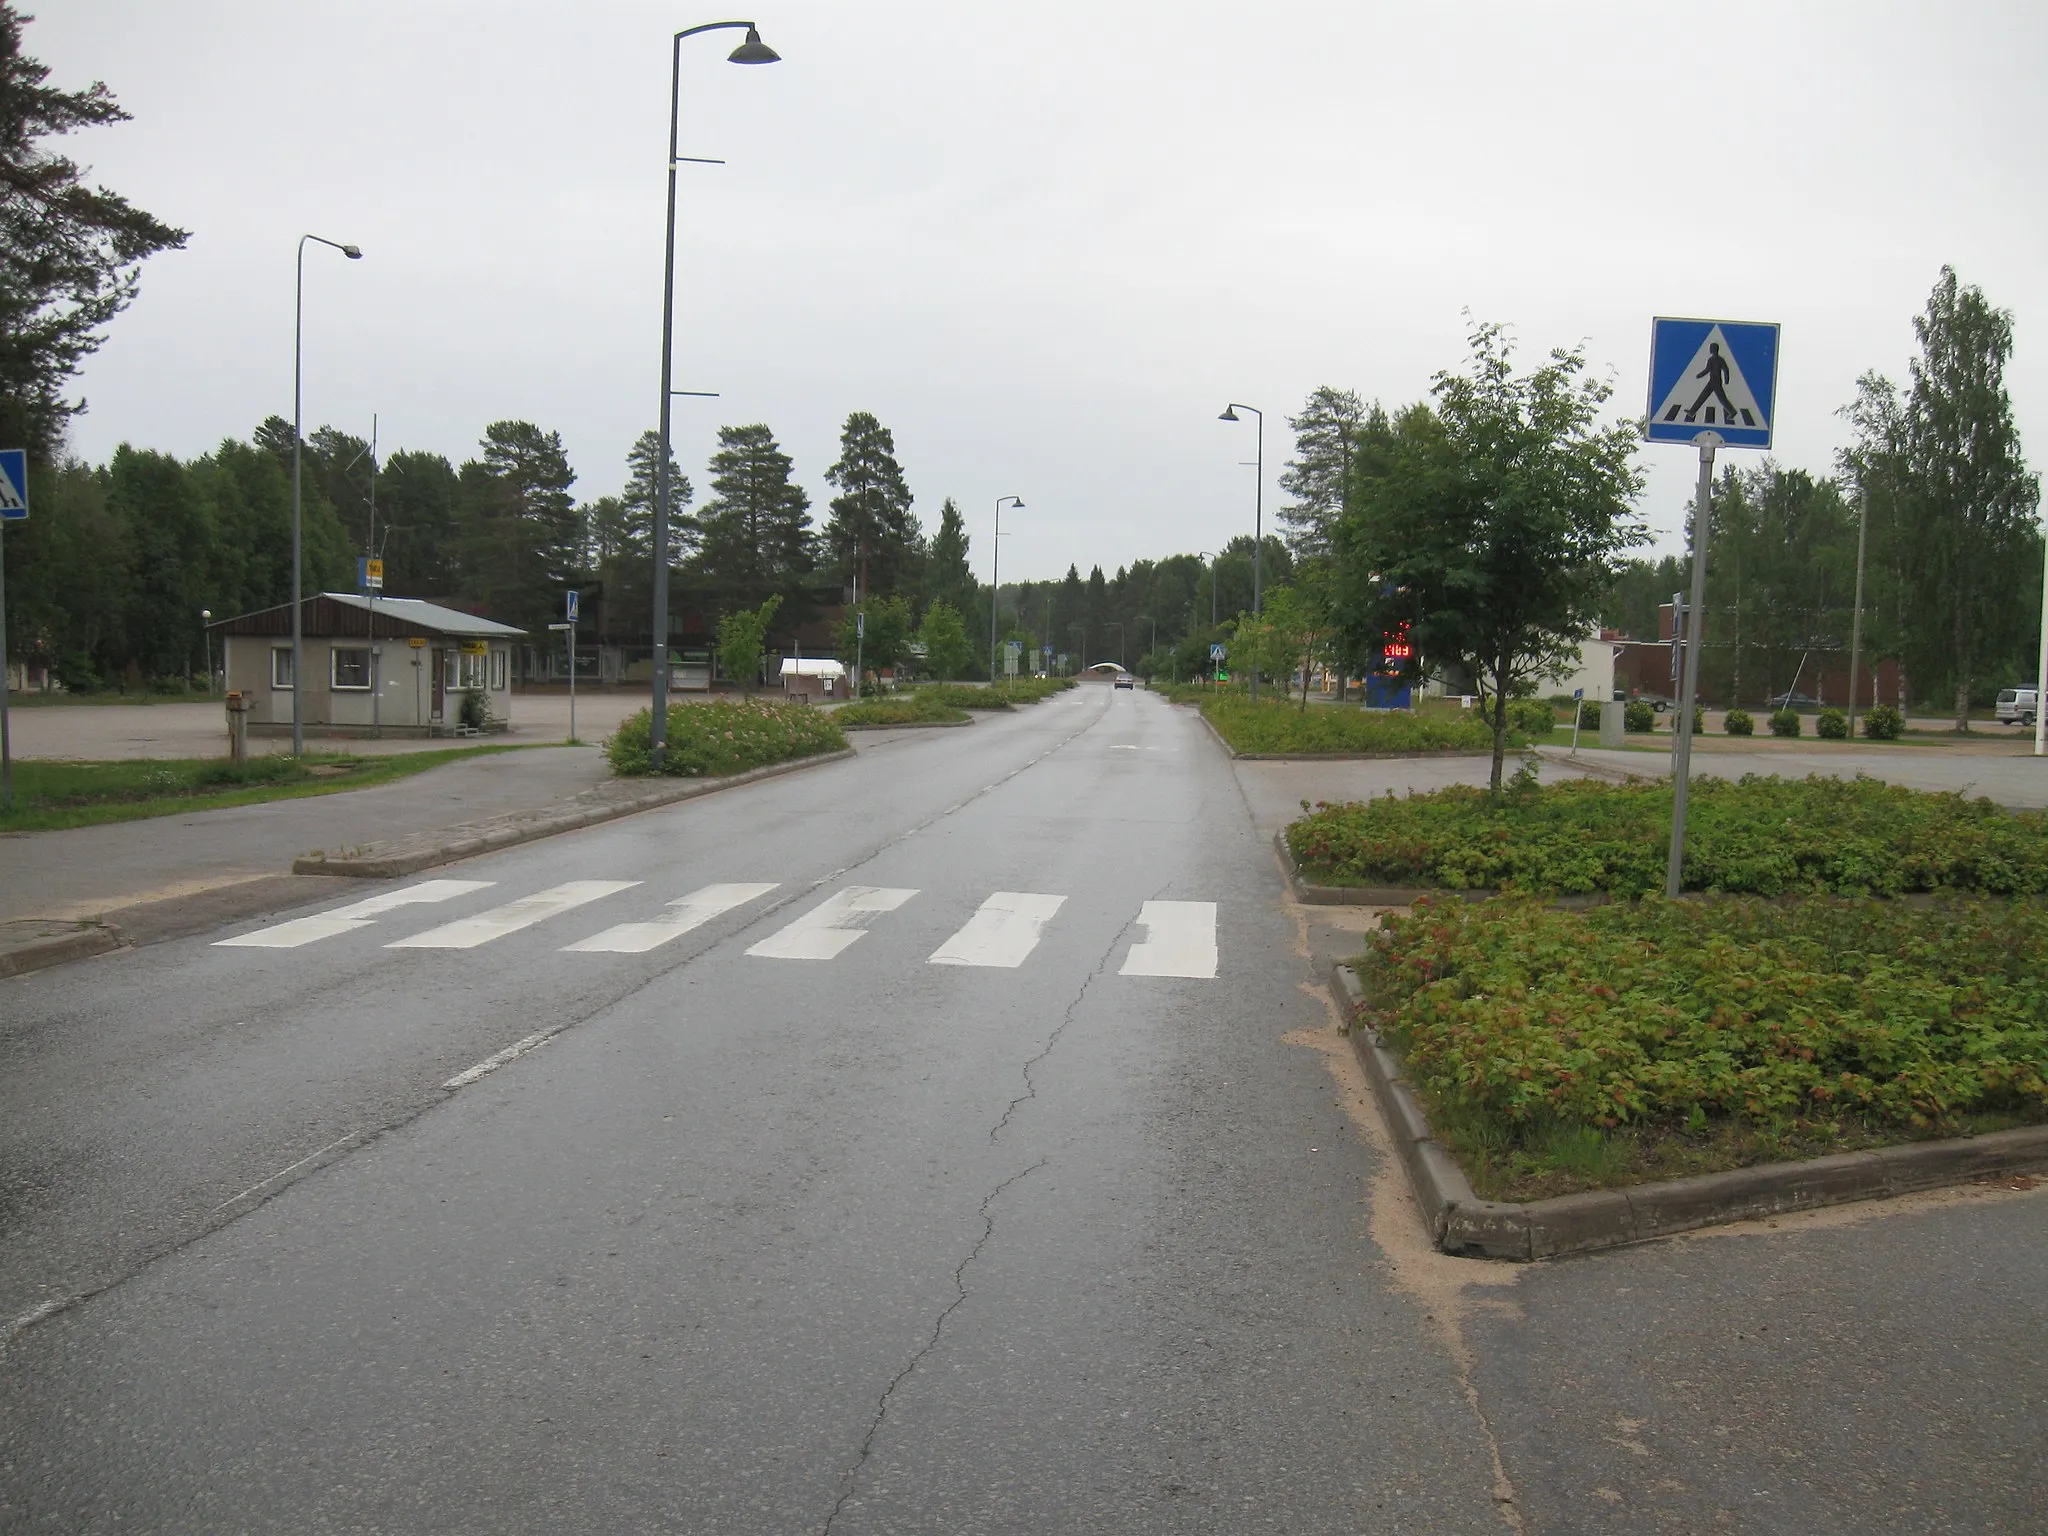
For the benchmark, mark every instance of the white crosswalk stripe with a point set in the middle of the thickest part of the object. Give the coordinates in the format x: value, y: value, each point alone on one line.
x: 831, y: 927
x: 1180, y: 940
x: 1003, y: 932
x: 685, y: 913
x: 357, y: 914
x: 469, y: 932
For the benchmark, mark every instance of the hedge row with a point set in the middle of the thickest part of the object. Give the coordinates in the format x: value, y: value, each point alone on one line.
x: 1756, y: 836
x: 1275, y: 725
x: 724, y: 736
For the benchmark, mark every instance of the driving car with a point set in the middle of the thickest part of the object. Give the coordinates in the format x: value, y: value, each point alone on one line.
x: 1792, y: 701
x: 1125, y: 680
x: 2016, y: 706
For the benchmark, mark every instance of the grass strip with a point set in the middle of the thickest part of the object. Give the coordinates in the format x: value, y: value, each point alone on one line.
x: 724, y: 736
x: 50, y: 795
x: 1557, y: 1051
x: 1758, y: 835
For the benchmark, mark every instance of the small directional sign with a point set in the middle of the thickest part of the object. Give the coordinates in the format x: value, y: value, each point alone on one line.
x: 1712, y: 376
x: 13, y: 484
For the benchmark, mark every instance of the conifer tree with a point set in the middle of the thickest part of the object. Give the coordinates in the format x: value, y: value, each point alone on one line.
x: 757, y: 539
x: 872, y: 533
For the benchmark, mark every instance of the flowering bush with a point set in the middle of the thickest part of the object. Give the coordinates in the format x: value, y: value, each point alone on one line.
x: 724, y: 736
x: 1879, y: 1015
x: 1757, y: 836
x: 1273, y: 725
x: 916, y: 708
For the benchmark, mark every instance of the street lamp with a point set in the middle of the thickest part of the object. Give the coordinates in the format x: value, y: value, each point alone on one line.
x: 353, y: 253
x: 995, y: 582
x: 206, y: 638
x: 751, y: 51
x: 1258, y: 512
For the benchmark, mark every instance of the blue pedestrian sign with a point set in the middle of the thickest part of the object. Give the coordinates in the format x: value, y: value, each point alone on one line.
x: 1216, y: 653
x: 573, y: 596
x: 1712, y: 376
x: 13, y: 484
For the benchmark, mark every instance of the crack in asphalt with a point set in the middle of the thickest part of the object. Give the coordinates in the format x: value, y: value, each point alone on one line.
x: 1030, y: 1087
x: 867, y: 1444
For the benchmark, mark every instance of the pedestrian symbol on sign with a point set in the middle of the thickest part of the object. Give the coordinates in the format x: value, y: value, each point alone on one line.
x: 1712, y: 392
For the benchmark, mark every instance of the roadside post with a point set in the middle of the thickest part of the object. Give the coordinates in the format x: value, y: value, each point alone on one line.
x: 860, y: 639
x: 238, y: 705
x: 1578, y: 714
x: 13, y: 509
x: 1713, y: 384
x: 573, y: 610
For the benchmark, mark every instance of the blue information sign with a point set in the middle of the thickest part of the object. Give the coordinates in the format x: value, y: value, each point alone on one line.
x: 573, y: 595
x: 13, y: 484
x: 1712, y: 376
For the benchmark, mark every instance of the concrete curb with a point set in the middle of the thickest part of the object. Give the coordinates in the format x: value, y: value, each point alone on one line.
x: 464, y: 842
x: 57, y: 949
x: 1314, y: 894
x: 912, y: 725
x: 1599, y: 770
x: 1461, y: 1223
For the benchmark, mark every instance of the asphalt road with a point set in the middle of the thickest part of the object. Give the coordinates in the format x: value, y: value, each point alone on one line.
x: 998, y: 1169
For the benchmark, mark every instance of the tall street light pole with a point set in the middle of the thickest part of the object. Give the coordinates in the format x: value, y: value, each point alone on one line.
x: 995, y: 580
x: 1258, y: 512
x: 751, y: 51
x: 353, y: 253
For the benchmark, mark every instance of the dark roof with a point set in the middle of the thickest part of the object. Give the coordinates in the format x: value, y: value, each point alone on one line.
x: 347, y: 616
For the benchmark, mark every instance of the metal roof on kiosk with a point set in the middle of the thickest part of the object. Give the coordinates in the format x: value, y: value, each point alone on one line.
x: 351, y: 616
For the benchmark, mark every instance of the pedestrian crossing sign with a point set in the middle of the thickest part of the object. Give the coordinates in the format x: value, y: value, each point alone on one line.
x: 1712, y: 376
x: 13, y: 484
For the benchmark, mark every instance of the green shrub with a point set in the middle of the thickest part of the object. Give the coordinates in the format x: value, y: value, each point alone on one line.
x: 1863, y: 1015
x: 475, y: 710
x: 1832, y: 725
x: 1738, y: 723
x: 913, y: 708
x: 963, y: 696
x: 1274, y: 725
x: 724, y: 736
x: 1532, y: 717
x: 1757, y: 836
x: 1785, y: 722
x: 1883, y: 723
x: 1639, y: 715
x: 1589, y: 714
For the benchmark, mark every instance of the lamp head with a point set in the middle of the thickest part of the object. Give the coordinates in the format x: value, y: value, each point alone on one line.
x: 754, y: 51
x: 1229, y: 414
x: 352, y: 252
x: 205, y: 614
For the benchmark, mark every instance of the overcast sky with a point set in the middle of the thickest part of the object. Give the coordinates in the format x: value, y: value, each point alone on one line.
x: 1046, y: 242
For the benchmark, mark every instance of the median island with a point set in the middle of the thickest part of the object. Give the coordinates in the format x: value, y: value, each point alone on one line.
x: 1855, y: 966
x: 724, y: 736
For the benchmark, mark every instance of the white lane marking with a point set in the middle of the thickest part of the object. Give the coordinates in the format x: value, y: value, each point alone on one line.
x: 1180, y: 940
x: 685, y: 913
x: 469, y: 932
x: 326, y: 925
x: 1005, y: 929
x: 824, y: 932
x: 498, y: 1059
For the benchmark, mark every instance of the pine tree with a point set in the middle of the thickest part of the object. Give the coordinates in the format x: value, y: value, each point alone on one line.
x: 1315, y: 478
x: 638, y: 502
x: 872, y: 533
x: 70, y: 255
x: 948, y: 578
x: 521, y: 536
x: 757, y: 538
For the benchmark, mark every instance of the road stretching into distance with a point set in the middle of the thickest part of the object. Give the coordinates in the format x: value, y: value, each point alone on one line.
x: 951, y: 1139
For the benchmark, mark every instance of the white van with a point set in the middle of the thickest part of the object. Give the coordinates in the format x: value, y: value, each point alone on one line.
x: 2016, y: 706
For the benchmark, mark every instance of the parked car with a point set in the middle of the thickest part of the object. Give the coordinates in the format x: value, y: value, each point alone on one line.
x: 1125, y: 680
x: 2016, y: 706
x: 1792, y: 701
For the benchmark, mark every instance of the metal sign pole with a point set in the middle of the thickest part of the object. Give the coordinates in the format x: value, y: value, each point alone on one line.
x: 572, y: 679
x: 6, y: 744
x: 1681, y: 756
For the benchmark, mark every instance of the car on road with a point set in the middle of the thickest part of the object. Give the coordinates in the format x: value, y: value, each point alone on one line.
x: 2016, y: 706
x: 1125, y: 680
x: 1792, y: 701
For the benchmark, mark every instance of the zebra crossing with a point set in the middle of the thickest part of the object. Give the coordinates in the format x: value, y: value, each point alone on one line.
x: 1172, y: 938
